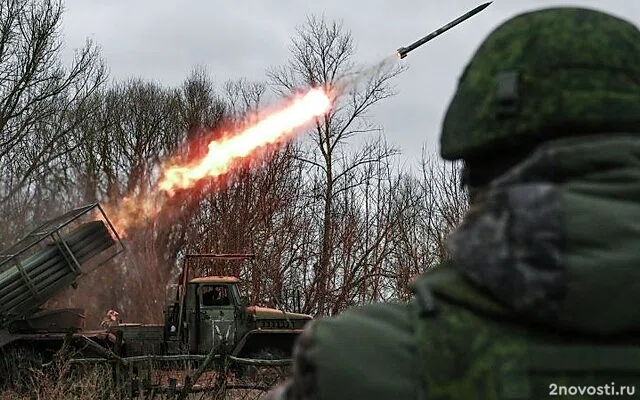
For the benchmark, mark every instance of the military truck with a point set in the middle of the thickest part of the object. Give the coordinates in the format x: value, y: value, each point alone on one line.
x: 207, y: 315
x: 210, y: 312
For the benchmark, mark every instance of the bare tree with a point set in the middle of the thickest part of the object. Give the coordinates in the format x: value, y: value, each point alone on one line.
x: 365, y: 237
x: 135, y: 125
x: 448, y: 199
x: 244, y: 97
x: 431, y: 205
x: 40, y: 103
x: 322, y: 55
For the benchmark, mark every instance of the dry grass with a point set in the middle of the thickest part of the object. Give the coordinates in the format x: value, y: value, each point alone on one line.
x: 94, y: 387
x: 64, y: 381
x: 229, y: 395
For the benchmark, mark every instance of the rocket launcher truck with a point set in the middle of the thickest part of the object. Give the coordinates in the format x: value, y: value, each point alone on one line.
x: 207, y: 314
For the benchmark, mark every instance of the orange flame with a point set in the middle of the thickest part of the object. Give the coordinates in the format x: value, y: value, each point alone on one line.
x: 222, y: 155
x: 133, y: 210
x: 271, y: 129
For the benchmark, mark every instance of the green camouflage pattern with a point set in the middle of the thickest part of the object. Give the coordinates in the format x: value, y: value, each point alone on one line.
x: 472, y: 330
x: 578, y: 72
x: 540, y: 298
x: 367, y: 352
x: 558, y: 233
x: 492, y: 355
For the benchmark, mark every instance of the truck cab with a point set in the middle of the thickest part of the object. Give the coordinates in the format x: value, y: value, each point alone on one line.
x: 215, y: 315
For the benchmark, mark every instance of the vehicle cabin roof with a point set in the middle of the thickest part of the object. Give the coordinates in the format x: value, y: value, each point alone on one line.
x: 215, y: 279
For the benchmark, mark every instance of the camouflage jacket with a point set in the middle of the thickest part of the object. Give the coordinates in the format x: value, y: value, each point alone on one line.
x: 540, y: 299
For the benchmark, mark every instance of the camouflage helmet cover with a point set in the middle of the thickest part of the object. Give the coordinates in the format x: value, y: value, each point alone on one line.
x: 545, y: 74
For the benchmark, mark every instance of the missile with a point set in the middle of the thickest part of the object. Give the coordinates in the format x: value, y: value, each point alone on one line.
x: 403, y: 51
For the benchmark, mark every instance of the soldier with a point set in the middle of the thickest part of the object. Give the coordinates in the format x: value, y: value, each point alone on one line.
x: 540, y: 295
x: 110, y: 319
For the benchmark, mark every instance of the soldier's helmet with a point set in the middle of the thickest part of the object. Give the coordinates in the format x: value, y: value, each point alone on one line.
x: 542, y: 75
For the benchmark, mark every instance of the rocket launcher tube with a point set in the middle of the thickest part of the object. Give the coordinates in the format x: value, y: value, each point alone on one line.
x: 25, y: 287
x: 47, y: 261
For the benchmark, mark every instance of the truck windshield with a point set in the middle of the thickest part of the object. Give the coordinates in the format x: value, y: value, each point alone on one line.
x: 214, y: 295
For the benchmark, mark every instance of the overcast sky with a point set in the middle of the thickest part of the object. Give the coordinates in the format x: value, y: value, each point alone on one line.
x: 163, y: 40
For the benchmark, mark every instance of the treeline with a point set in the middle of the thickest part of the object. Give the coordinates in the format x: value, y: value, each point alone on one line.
x: 332, y: 219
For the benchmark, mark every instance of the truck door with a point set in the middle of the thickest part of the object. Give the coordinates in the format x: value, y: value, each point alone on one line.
x: 217, y: 320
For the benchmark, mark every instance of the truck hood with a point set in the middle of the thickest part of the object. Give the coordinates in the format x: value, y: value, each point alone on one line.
x: 272, y: 313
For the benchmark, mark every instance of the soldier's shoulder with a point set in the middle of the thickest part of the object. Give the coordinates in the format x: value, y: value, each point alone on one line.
x: 368, y: 352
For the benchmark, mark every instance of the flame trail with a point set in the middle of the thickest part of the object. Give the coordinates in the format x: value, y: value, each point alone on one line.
x: 275, y: 127
x: 270, y: 128
x: 352, y: 80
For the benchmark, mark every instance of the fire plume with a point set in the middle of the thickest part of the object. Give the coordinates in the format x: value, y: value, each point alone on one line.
x: 133, y: 211
x: 271, y: 129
